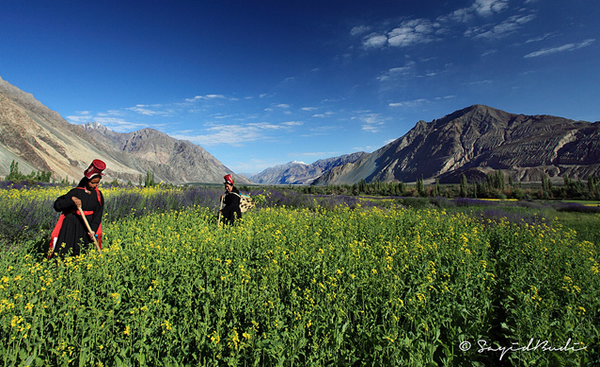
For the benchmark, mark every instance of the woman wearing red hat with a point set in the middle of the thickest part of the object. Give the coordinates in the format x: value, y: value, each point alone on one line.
x: 71, y: 236
x: 231, y: 198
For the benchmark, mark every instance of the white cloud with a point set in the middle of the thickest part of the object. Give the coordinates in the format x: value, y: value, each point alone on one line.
x: 79, y: 119
x: 479, y: 8
x: 265, y: 126
x: 540, y: 38
x: 490, y: 52
x: 111, y: 113
x: 108, y: 119
x: 119, y: 125
x: 375, y: 40
x: 481, y: 82
x: 421, y: 31
x: 563, y: 48
x: 508, y: 26
x: 412, y: 32
x: 397, y: 72
x: 224, y: 134
x: 408, y: 33
x: 358, y: 30
x: 206, y: 97
x: 368, y: 148
x: 148, y: 110
x: 488, y: 7
x: 413, y: 103
x: 236, y: 135
x: 322, y: 115
x: 222, y: 117
x: 460, y: 15
x: 450, y: 96
x: 371, y: 122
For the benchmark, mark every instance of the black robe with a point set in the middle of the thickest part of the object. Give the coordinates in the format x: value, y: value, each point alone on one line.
x: 73, y: 232
x: 232, y: 210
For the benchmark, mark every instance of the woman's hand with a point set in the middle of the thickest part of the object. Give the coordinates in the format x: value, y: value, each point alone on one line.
x: 76, y: 201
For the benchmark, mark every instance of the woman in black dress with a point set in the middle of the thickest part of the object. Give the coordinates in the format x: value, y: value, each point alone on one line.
x: 71, y: 236
x: 231, y: 198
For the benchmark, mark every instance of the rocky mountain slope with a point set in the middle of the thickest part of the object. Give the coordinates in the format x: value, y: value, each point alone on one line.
x: 477, y: 140
x: 39, y: 139
x: 171, y: 160
x: 301, y: 173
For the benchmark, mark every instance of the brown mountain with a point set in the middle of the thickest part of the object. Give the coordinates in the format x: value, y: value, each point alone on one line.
x: 39, y: 139
x: 171, y: 160
x: 477, y: 140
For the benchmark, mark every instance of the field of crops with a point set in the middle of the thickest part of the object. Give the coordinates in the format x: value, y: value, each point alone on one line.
x: 319, y: 285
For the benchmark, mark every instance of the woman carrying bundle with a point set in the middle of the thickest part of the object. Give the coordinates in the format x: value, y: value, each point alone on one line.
x: 71, y: 234
x: 231, y: 198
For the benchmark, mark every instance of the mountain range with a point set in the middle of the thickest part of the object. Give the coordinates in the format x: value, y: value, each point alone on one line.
x: 477, y: 140
x: 473, y: 141
x: 39, y: 139
x: 300, y: 173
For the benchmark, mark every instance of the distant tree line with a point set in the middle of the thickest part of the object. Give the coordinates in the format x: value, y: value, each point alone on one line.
x: 495, y: 185
x: 15, y: 175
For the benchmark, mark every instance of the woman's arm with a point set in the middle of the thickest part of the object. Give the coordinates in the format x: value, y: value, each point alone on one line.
x: 65, y: 202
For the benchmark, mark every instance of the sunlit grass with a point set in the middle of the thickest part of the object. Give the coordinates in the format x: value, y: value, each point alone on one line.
x: 308, y: 286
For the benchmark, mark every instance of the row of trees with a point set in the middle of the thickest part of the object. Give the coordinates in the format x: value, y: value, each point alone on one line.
x: 15, y: 175
x: 495, y: 185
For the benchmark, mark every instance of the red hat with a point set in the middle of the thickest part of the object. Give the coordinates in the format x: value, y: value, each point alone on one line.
x: 95, y: 169
x: 228, y: 179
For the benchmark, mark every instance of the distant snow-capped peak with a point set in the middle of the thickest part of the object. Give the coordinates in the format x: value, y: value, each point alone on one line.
x: 95, y: 126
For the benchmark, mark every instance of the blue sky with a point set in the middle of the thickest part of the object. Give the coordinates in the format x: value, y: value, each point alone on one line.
x: 261, y: 83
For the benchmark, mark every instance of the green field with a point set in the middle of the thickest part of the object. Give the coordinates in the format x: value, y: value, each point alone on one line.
x: 314, y: 286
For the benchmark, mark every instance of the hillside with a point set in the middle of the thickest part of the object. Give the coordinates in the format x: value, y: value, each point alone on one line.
x: 39, y: 139
x: 477, y: 140
x: 171, y: 160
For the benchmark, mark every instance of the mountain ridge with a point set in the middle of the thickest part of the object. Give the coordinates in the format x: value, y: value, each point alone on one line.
x: 39, y: 139
x: 476, y: 140
x: 300, y: 173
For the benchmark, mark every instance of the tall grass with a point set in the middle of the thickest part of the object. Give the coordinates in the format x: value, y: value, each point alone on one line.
x: 323, y: 285
x: 305, y: 287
